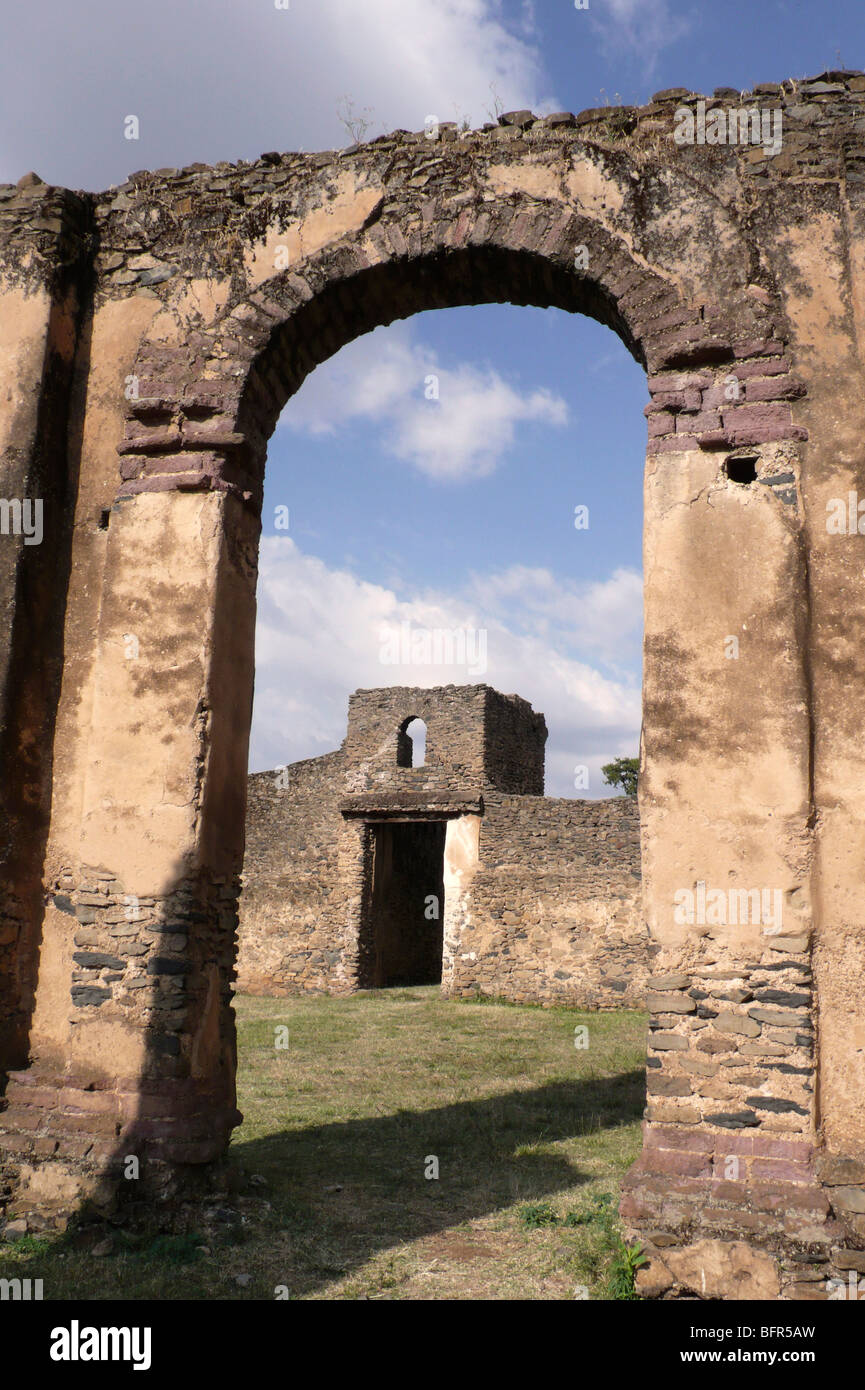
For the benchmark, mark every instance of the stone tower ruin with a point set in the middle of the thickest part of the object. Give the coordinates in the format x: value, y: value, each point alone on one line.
x: 363, y: 870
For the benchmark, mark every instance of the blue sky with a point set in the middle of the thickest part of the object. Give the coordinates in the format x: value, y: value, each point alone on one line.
x: 230, y: 78
x: 460, y: 511
x: 407, y: 510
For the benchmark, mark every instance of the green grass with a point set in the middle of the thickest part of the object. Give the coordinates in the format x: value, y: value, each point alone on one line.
x: 329, y: 1195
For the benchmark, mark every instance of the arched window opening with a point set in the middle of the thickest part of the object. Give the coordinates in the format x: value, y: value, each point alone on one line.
x: 411, y: 744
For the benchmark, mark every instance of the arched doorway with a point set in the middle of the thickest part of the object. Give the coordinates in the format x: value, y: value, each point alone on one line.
x: 180, y: 556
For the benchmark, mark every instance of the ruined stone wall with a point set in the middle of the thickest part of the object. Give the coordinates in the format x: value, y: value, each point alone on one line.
x: 514, y: 739
x: 152, y: 333
x: 476, y: 737
x: 554, y: 915
x: 293, y: 905
x: 297, y: 930
x: 555, y: 908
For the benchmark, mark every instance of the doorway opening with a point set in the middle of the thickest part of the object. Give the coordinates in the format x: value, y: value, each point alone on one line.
x: 402, y: 928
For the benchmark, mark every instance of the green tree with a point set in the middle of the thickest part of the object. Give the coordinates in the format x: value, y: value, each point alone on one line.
x: 624, y: 773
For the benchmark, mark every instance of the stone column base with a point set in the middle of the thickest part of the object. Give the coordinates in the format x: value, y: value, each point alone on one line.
x: 744, y: 1216
x: 70, y: 1139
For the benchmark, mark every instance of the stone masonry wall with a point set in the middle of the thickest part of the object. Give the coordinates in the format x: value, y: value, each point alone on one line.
x: 292, y: 909
x: 555, y: 908
x: 556, y: 911
x: 156, y: 330
x: 476, y: 737
x: 514, y: 740
x: 729, y: 1128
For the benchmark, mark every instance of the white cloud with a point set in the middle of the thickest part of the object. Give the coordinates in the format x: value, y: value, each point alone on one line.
x: 638, y: 28
x: 449, y: 422
x: 232, y: 78
x: 319, y: 637
x: 604, y: 617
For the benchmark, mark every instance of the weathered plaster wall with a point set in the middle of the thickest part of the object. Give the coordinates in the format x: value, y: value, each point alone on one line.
x: 41, y: 329
x: 182, y: 310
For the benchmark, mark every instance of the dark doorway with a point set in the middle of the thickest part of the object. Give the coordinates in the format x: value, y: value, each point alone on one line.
x: 405, y: 913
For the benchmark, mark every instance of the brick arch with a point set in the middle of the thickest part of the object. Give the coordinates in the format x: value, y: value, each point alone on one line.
x: 204, y: 414
x: 689, y: 260
x: 719, y: 380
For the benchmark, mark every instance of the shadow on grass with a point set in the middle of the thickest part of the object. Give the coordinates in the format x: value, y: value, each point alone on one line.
x: 341, y: 1193
x: 313, y: 1205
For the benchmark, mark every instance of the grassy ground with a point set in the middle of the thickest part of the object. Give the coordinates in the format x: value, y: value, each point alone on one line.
x: 330, y: 1195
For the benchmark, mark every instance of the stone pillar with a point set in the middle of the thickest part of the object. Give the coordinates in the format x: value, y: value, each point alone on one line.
x: 133, y: 1033
x: 41, y: 310
x: 462, y: 839
x: 725, y: 817
x: 827, y: 305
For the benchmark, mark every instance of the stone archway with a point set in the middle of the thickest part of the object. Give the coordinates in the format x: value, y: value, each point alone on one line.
x: 199, y: 300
